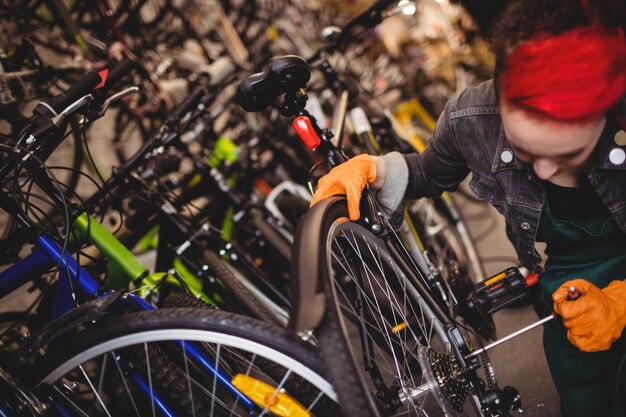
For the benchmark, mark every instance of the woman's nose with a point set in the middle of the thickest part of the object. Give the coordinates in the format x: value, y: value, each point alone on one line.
x: 544, y: 168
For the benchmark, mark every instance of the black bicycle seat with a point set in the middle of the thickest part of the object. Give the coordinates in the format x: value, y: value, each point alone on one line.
x: 284, y: 74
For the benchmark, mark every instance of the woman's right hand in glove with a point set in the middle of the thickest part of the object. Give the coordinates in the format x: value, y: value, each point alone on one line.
x: 349, y: 179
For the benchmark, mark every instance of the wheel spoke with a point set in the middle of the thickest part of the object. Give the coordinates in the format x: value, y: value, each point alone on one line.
x: 217, y: 366
x: 193, y: 406
x: 115, y: 359
x: 104, y: 407
x: 145, y: 345
x: 395, y: 318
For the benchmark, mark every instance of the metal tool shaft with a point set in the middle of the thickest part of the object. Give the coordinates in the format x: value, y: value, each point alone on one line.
x: 573, y: 295
x: 512, y: 335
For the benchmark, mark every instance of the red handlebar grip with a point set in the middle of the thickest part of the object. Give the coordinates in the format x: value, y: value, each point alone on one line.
x: 532, y: 279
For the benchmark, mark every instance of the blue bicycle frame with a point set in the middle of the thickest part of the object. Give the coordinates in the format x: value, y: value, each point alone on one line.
x: 72, y: 278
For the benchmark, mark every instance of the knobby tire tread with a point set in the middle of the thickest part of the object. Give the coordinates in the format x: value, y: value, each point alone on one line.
x: 227, y: 323
x: 241, y: 293
x: 272, y: 236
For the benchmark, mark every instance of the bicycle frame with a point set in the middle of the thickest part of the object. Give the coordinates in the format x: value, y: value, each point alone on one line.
x: 49, y: 254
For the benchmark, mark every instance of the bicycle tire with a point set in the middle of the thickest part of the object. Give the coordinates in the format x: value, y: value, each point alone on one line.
x: 402, y: 312
x: 179, y: 299
x: 273, y: 238
x: 216, y: 330
x: 224, y: 272
x: 129, y: 135
x: 450, y: 210
x: 77, y: 160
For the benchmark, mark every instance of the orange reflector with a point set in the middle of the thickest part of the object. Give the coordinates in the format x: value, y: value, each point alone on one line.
x: 398, y: 328
x: 494, y: 279
x: 265, y: 395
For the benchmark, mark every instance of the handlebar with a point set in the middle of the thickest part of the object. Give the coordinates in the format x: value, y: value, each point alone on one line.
x: 104, y: 79
x: 165, y: 136
x: 188, y: 104
x: 80, y: 89
x: 119, y: 71
x: 367, y: 19
x: 48, y: 117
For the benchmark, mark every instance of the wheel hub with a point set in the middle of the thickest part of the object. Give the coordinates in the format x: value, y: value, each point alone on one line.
x: 447, y: 383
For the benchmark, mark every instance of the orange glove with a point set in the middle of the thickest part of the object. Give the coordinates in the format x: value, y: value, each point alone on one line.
x: 349, y: 179
x: 595, y: 319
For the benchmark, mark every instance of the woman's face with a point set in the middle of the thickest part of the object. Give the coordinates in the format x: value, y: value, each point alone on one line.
x: 553, y: 148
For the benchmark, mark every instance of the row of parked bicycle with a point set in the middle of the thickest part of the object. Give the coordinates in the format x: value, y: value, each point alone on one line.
x: 254, y: 304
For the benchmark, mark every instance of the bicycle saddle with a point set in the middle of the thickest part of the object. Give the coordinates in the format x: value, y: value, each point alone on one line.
x: 284, y: 74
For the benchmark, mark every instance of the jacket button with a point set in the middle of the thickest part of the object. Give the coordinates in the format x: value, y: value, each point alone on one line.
x: 525, y: 226
x: 617, y: 156
x: 506, y: 156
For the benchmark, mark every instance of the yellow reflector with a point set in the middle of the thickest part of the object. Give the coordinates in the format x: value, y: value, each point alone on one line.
x: 397, y: 328
x: 195, y: 180
x: 264, y: 395
x: 495, y: 279
x: 272, y: 33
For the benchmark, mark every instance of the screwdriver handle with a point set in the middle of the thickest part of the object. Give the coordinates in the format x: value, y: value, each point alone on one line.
x: 573, y: 293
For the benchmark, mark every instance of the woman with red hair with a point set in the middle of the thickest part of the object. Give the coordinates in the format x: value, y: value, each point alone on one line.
x: 545, y: 142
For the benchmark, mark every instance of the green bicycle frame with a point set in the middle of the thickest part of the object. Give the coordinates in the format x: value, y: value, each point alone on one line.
x: 124, y: 267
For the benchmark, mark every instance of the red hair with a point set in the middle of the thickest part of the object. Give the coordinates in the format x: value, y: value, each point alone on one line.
x: 575, y: 76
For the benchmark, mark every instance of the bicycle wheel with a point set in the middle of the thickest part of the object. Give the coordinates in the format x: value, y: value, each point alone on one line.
x: 129, y: 135
x: 278, y: 242
x: 451, y: 250
x: 376, y: 321
x: 140, y: 362
x: 259, y: 305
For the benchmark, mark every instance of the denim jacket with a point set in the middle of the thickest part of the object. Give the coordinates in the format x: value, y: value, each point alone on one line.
x: 469, y: 137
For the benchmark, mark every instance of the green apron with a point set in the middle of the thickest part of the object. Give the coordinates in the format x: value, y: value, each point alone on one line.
x: 589, y: 384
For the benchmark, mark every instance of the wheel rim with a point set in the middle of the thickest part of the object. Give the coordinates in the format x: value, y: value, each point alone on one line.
x: 80, y: 382
x: 396, y: 320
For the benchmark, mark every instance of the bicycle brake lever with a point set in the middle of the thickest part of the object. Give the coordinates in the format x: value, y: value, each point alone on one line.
x: 83, y: 101
x: 116, y: 97
x: 48, y: 125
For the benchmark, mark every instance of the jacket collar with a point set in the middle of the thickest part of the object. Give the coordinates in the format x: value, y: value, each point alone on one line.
x: 610, y: 149
x: 505, y: 157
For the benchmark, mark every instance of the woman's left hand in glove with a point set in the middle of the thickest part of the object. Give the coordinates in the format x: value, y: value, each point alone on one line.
x: 596, y: 318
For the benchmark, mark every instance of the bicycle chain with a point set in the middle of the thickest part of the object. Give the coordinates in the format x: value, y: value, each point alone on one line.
x: 484, y: 362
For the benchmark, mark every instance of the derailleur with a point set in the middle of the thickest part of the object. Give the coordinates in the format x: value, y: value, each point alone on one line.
x: 498, y: 402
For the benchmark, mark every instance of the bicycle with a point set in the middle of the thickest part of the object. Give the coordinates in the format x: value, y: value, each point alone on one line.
x: 388, y: 344
x: 37, y: 361
x: 432, y: 229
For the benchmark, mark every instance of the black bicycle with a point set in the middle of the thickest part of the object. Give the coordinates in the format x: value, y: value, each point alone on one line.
x: 389, y: 345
